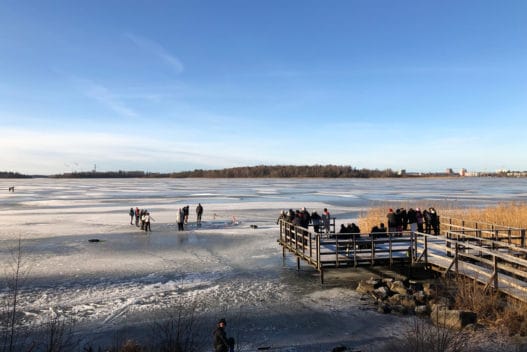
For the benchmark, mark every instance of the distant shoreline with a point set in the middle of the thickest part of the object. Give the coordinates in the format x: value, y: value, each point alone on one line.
x: 265, y: 171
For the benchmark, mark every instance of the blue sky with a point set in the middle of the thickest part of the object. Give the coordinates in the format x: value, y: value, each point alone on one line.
x: 177, y: 85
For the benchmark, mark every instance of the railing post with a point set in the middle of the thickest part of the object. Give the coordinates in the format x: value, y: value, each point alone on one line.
x: 337, y: 250
x: 448, y: 243
x: 310, y: 245
x: 522, y: 240
x: 495, y: 272
x: 354, y: 255
x: 415, y: 244
x: 390, y: 252
x: 457, y: 256
x: 426, y: 251
x: 319, y: 264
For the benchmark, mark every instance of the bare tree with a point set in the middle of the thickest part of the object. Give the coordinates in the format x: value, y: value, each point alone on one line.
x: 16, y: 272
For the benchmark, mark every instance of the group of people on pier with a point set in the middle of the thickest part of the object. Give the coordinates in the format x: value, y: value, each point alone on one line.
x: 426, y: 221
x: 302, y: 217
x: 399, y: 221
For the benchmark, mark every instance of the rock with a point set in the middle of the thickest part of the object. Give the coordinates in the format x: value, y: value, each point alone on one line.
x: 381, y: 292
x: 421, y: 310
x: 399, y: 287
x: 440, y: 302
x: 387, y: 281
x: 452, y: 318
x: 407, y: 301
x: 384, y: 308
x: 399, y: 309
x: 367, y: 286
x: 420, y: 297
x: 431, y: 289
x: 415, y: 286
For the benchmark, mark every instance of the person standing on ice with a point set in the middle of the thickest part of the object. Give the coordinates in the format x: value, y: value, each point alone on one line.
x: 148, y: 218
x: 186, y: 212
x: 132, y: 214
x: 137, y: 216
x: 199, y: 213
x: 180, y: 217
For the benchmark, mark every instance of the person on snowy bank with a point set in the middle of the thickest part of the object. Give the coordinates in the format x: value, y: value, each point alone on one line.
x: 221, y: 342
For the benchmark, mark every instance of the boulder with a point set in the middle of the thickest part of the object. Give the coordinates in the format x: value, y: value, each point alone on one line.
x: 420, y: 297
x: 381, y: 292
x: 399, y: 287
x: 407, y: 301
x: 367, y: 286
x: 431, y: 289
x: 421, y: 310
x: 452, y: 318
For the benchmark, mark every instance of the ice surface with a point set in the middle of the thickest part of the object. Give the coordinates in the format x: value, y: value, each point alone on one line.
x: 226, y: 267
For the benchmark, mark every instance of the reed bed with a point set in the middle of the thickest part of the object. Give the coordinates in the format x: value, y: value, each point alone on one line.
x: 509, y: 315
x: 513, y: 214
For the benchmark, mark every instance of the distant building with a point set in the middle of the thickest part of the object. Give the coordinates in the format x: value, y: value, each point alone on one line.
x: 463, y: 172
x: 449, y: 171
x: 402, y: 172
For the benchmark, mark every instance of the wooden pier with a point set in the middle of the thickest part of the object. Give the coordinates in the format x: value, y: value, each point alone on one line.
x: 491, y: 254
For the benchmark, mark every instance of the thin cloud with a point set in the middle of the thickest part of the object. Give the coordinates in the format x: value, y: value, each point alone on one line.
x: 157, y: 50
x: 107, y: 98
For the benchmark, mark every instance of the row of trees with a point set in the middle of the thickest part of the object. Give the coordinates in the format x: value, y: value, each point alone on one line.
x: 286, y: 171
x: 279, y: 171
x: 10, y: 174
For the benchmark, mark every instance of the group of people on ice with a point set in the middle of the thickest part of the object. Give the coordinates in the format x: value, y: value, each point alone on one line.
x: 141, y: 216
x: 183, y: 213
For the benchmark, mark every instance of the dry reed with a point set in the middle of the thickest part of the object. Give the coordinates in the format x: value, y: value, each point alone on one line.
x: 513, y: 214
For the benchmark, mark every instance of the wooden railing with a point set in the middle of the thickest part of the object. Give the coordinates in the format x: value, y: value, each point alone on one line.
x: 512, y: 235
x: 496, y: 264
x: 343, y: 250
x: 491, y: 255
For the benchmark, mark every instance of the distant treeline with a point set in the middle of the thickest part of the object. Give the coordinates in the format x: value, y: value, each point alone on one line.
x: 6, y: 174
x: 287, y: 171
x: 261, y: 171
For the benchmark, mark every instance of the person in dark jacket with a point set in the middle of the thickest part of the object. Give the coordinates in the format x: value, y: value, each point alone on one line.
x: 392, y: 221
x: 199, y: 213
x: 132, y: 214
x: 221, y: 342
x: 316, y: 219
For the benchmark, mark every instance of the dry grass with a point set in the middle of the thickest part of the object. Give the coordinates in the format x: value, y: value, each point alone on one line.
x: 491, y: 308
x: 471, y: 295
x: 513, y: 318
x: 512, y: 214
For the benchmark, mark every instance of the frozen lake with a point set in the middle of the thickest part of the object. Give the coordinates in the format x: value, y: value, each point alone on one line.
x: 225, y: 268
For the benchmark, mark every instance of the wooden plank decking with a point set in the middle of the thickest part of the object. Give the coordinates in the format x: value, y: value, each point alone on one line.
x: 487, y: 256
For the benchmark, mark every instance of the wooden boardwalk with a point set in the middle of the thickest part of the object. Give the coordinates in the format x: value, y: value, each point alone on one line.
x: 493, y: 255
